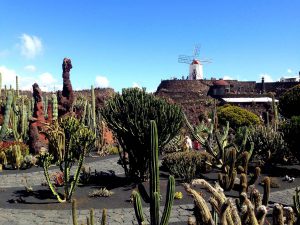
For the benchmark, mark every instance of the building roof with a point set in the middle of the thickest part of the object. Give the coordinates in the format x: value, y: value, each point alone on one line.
x: 249, y: 100
x: 221, y: 83
x: 195, y: 61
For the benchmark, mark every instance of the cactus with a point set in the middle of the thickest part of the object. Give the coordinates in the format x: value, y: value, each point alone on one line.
x: 17, y: 157
x: 68, y: 141
x: 3, y: 159
x: 17, y: 86
x: 278, y: 215
x: 266, y: 183
x: 243, y: 183
x: 9, y: 100
x: 19, y: 121
x: 54, y: 107
x: 93, y: 125
x: 227, y: 212
x: 90, y: 219
x: 154, y: 188
x: 226, y: 180
x: 296, y: 200
x: 254, y: 176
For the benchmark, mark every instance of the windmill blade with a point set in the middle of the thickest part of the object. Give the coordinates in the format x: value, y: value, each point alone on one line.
x: 185, y: 59
x: 197, y: 50
x: 206, y: 61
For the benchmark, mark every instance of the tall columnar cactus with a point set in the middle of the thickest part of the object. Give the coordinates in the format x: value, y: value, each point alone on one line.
x: 155, y: 189
x: 45, y: 101
x: 9, y: 100
x: 19, y: 121
x: 227, y: 179
x: 17, y: 86
x: 93, y: 125
x: 54, y: 107
x: 275, y: 111
x: 267, y: 184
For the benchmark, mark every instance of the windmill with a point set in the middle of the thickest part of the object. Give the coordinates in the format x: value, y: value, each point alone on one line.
x: 196, y: 65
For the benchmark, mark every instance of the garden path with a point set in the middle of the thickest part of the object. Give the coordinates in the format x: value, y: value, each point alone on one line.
x: 125, y: 216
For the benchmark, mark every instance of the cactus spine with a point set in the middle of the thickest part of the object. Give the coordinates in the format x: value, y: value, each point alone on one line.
x: 154, y: 188
x: 9, y: 100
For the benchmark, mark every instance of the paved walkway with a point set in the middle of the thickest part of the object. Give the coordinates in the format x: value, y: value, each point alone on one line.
x: 37, y: 178
x: 125, y: 216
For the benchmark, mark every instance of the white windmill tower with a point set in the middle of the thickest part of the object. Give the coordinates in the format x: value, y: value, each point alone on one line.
x: 196, y: 65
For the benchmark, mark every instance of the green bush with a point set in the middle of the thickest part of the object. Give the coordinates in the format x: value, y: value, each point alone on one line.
x: 128, y: 115
x: 237, y: 116
x: 187, y: 165
x: 289, y: 102
x: 269, y: 145
x: 291, y: 131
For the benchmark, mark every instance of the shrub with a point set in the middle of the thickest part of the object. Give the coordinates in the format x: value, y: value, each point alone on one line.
x: 291, y: 134
x: 237, y: 116
x: 289, y: 102
x: 269, y: 145
x: 128, y: 115
x: 187, y: 165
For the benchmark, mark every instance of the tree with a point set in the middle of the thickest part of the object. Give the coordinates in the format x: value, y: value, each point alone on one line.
x: 128, y: 115
x: 289, y: 102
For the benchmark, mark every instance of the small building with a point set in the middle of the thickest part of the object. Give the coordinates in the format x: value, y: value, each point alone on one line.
x: 219, y: 88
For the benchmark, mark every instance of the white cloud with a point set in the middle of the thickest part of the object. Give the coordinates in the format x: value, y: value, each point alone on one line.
x: 30, y: 68
x: 101, y: 82
x: 266, y: 76
x: 136, y: 85
x: 8, y: 76
x: 227, y: 77
x: 289, y: 71
x: 46, y: 81
x: 31, y: 46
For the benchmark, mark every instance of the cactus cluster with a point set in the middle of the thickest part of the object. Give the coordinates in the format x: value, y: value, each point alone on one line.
x: 68, y: 141
x: 155, y: 188
x: 90, y: 220
x: 245, y: 211
x: 128, y: 115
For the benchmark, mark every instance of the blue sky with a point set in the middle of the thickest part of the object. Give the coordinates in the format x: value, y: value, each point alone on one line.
x: 125, y: 43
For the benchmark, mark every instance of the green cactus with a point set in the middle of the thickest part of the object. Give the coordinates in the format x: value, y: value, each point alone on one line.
x: 227, y: 179
x: 19, y: 120
x: 17, y: 86
x: 93, y: 125
x: 296, y: 199
x: 54, y: 107
x: 90, y: 219
x: 266, y: 183
x: 68, y: 141
x: 128, y: 115
x: 17, y: 157
x: 8, y: 106
x: 154, y: 188
x: 3, y: 159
